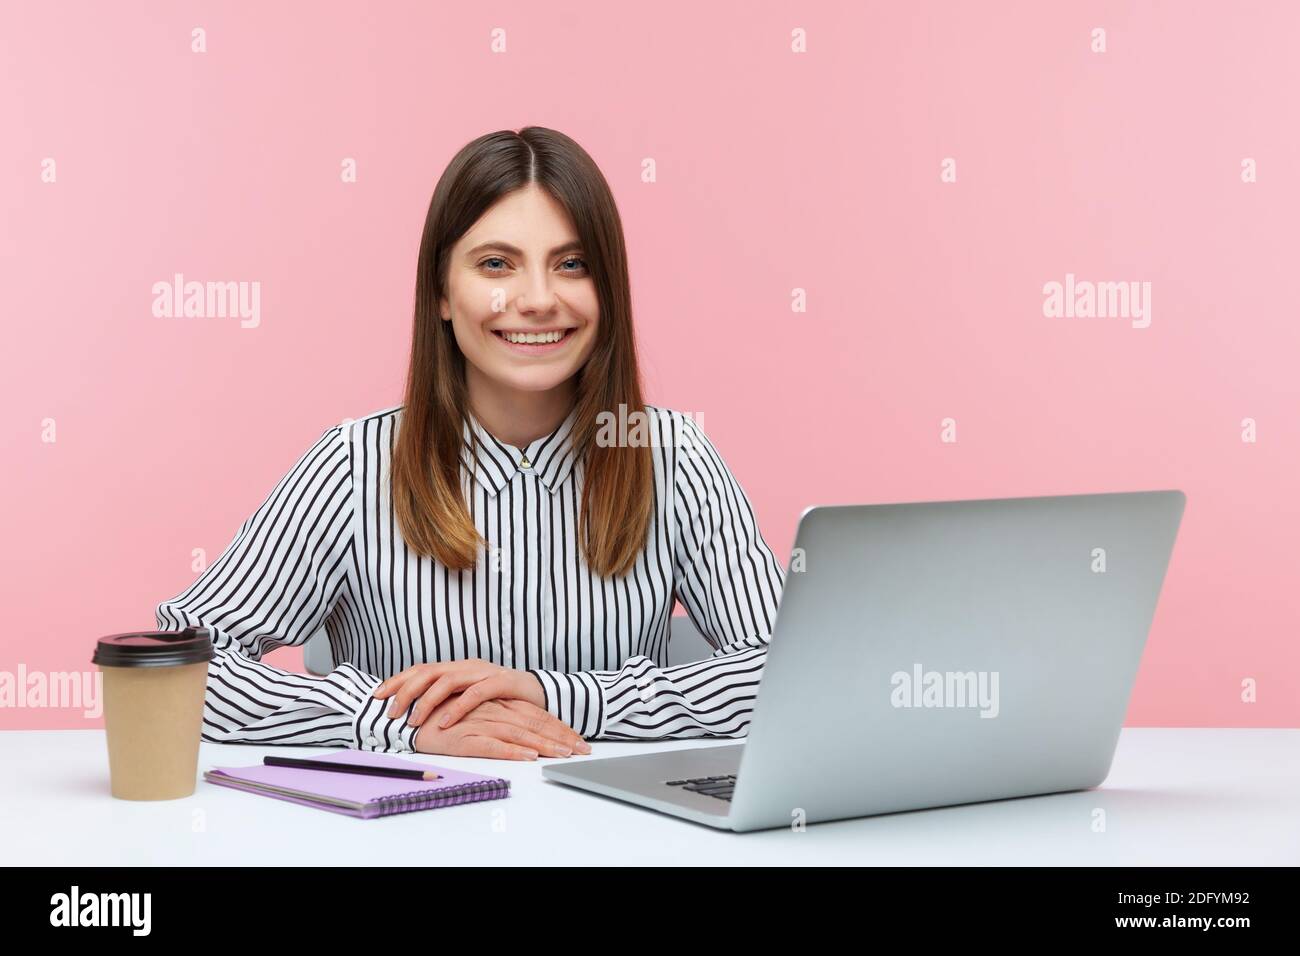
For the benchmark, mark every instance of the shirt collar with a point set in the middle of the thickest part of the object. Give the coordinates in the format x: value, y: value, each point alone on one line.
x: 551, y: 458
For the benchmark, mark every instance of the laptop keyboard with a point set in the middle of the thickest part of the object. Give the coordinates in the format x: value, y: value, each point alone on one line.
x: 720, y: 787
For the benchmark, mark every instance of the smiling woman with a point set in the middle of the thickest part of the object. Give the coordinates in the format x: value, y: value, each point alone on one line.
x: 509, y: 576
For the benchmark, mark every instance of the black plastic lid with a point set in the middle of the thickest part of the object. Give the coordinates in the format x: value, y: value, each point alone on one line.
x: 154, y: 648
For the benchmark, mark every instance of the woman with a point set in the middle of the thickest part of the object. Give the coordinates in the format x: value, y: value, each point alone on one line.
x: 505, y: 548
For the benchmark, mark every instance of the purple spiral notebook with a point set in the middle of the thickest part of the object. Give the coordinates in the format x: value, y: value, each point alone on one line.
x: 359, y: 795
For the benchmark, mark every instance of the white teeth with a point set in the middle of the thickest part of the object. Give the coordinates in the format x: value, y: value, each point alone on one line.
x: 532, y: 338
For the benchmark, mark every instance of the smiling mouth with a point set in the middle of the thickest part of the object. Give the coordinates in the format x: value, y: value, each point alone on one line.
x: 535, y: 339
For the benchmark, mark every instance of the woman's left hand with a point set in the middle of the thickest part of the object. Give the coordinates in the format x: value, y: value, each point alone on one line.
x: 475, y: 680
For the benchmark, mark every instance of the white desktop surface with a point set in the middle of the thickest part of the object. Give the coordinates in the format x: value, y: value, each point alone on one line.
x: 1182, y: 797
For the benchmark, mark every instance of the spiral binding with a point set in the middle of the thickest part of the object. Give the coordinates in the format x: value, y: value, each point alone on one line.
x: 443, y: 796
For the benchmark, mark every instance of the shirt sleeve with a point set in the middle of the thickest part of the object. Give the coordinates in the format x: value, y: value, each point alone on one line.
x: 730, y: 583
x: 274, y: 586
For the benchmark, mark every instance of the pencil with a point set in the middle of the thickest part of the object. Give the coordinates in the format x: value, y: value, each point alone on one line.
x: 302, y: 764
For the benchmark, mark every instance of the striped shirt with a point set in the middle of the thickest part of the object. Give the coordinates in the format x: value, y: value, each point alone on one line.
x: 324, y: 551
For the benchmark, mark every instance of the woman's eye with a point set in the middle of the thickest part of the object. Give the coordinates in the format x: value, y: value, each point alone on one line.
x: 497, y: 263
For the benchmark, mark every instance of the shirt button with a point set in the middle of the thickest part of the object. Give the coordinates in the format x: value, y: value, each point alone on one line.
x: 372, y: 740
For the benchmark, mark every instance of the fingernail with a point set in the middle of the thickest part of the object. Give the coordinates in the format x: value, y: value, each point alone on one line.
x: 532, y: 754
x: 392, y: 710
x: 564, y: 751
x: 445, y: 720
x: 584, y: 748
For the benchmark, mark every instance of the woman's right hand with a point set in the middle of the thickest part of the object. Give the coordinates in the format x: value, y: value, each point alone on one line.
x: 504, y: 729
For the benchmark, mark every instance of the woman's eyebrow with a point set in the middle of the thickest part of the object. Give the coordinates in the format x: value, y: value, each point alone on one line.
x: 574, y: 246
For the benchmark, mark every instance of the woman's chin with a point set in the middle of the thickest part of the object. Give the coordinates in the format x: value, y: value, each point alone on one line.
x: 531, y: 380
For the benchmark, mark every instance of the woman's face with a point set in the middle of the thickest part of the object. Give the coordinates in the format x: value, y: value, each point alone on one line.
x: 519, y: 269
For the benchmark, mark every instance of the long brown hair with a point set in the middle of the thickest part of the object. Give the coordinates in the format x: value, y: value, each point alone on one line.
x: 618, y: 490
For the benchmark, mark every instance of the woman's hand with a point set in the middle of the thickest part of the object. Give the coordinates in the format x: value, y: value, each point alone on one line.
x: 477, y: 681
x: 504, y: 729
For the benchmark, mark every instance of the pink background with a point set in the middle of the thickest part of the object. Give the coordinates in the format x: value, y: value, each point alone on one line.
x: 776, y: 171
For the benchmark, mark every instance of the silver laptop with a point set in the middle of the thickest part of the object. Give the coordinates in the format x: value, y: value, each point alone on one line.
x: 926, y: 655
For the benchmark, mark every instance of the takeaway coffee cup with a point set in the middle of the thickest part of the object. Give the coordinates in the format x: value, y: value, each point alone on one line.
x: 154, y: 684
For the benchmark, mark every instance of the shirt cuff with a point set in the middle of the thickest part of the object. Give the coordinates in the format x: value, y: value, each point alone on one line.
x: 576, y: 698
x: 372, y: 729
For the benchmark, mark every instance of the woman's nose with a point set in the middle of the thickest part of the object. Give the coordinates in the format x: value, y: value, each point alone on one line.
x: 537, y: 294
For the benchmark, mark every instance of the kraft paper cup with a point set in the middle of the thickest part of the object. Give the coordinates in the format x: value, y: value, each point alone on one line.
x: 154, y: 685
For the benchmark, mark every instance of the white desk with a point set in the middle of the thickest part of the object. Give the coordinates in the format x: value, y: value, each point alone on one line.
x: 1174, y: 797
